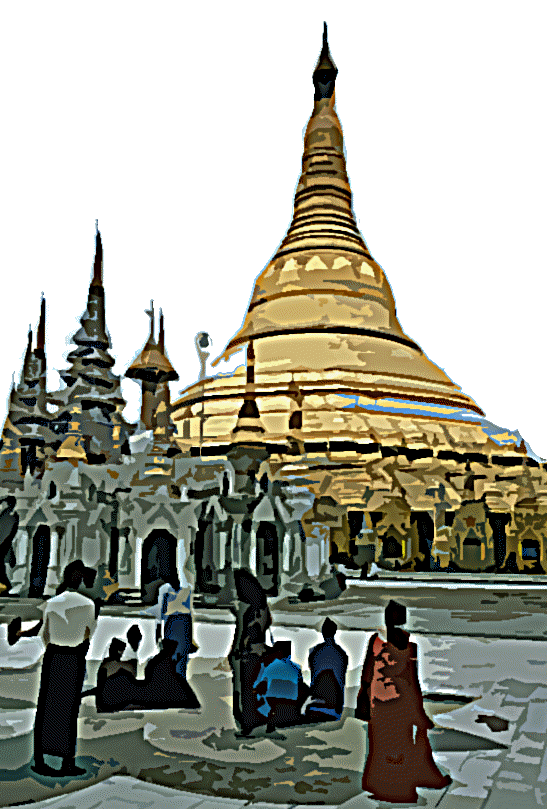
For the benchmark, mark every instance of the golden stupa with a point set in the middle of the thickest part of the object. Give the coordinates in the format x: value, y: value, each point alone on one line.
x: 402, y: 466
x: 322, y: 320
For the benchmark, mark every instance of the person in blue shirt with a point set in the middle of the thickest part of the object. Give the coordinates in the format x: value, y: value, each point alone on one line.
x: 328, y: 664
x: 281, y: 685
x: 174, y: 610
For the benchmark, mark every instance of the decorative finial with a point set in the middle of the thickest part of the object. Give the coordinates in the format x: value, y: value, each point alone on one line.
x: 28, y: 354
x: 98, y: 265
x: 324, y: 75
x: 150, y: 313
x: 202, y: 341
x: 161, y: 335
x: 41, y: 333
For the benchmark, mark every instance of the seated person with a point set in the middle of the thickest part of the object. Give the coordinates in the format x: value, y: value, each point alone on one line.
x: 117, y: 687
x: 130, y: 655
x: 328, y: 664
x: 282, y: 688
x: 163, y: 687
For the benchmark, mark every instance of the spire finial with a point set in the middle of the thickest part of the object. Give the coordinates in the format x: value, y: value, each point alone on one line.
x: 41, y: 333
x: 150, y: 313
x: 98, y: 266
x: 25, y: 371
x: 325, y: 71
x: 161, y: 335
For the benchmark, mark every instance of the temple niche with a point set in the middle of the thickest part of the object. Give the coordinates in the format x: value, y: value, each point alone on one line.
x: 338, y: 444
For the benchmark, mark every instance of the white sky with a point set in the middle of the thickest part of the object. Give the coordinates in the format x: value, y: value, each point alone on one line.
x: 179, y: 126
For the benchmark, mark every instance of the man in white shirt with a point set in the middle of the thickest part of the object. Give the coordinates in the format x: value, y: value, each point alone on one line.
x: 68, y: 623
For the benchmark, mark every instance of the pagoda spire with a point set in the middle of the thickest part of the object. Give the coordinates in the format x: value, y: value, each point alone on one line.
x: 161, y: 335
x: 90, y: 363
x: 26, y: 369
x: 26, y: 430
x: 323, y: 219
x: 41, y: 332
x: 325, y: 71
x: 98, y: 263
x: 154, y: 371
x: 323, y: 214
x: 152, y: 336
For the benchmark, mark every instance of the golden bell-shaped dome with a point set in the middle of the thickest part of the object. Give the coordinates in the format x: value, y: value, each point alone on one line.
x: 323, y: 306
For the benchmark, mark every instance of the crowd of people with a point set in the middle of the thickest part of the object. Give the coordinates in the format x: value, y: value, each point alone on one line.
x: 268, y: 686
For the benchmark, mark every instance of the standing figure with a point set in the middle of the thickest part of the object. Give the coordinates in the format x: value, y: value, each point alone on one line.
x: 175, y: 610
x: 390, y: 699
x: 328, y: 664
x: 68, y: 623
x: 253, y: 619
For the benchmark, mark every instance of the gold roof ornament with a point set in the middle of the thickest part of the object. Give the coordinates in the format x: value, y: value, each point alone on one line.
x: 323, y: 307
x: 152, y: 364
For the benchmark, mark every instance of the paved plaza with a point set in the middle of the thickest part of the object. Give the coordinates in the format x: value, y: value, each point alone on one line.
x: 482, y: 662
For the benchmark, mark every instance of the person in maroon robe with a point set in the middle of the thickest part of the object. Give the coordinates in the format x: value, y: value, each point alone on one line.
x: 390, y: 699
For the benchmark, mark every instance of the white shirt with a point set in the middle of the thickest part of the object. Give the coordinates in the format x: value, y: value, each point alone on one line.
x: 69, y: 619
x: 171, y: 602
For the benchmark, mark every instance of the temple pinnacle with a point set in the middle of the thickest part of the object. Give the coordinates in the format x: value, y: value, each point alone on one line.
x: 150, y: 313
x: 324, y: 75
x: 98, y: 265
x: 161, y: 335
x: 26, y: 369
x: 41, y: 332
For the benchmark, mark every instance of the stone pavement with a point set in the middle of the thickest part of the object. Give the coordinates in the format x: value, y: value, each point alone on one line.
x: 512, y: 713
x: 493, y: 746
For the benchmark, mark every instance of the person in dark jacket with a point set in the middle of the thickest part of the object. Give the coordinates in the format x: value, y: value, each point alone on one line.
x: 328, y: 664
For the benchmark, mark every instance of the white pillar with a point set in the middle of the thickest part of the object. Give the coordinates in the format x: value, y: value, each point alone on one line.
x: 20, y: 574
x: 52, y: 577
x: 288, y: 544
x: 253, y: 552
x: 129, y: 562
x: 222, y: 542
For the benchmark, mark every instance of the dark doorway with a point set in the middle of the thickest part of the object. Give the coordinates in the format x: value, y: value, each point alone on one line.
x: 471, y: 553
x: 206, y: 572
x: 391, y: 548
x: 425, y: 528
x: 41, y: 547
x: 159, y: 557
x: 267, y: 557
x: 498, y: 523
x: 114, y: 550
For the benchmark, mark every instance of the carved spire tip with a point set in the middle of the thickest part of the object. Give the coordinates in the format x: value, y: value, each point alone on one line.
x: 161, y: 335
x: 150, y: 313
x: 325, y: 71
x: 98, y: 264
x: 41, y: 332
